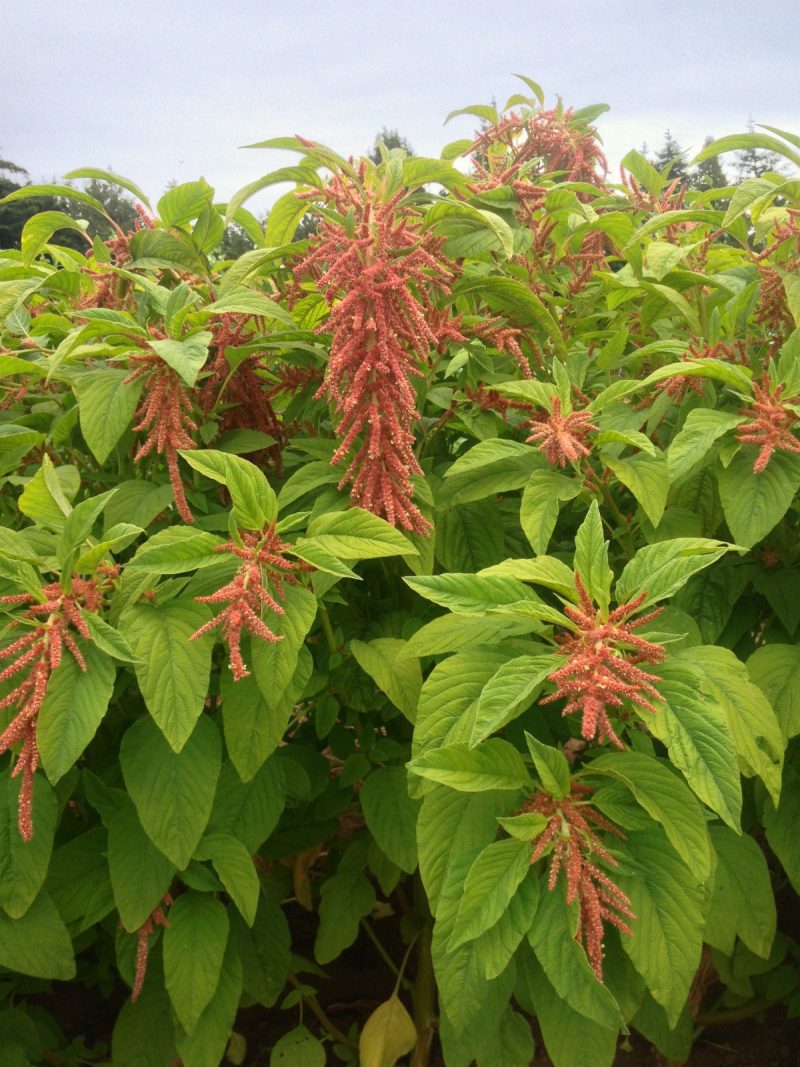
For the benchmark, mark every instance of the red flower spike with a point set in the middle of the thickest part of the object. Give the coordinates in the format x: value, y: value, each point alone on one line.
x: 678, y: 386
x: 572, y: 824
x: 601, y: 671
x: 164, y: 414
x: 246, y: 594
x: 38, y: 652
x: 771, y: 426
x: 157, y: 918
x: 561, y: 437
x: 379, y: 278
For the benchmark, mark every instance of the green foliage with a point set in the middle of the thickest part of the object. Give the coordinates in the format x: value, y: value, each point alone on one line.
x: 433, y: 569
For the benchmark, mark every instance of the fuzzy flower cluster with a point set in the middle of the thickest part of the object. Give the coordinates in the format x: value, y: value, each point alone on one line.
x: 157, y: 918
x: 771, y: 425
x: 164, y: 415
x: 262, y: 572
x: 561, y: 437
x: 601, y: 671
x: 572, y: 830
x: 678, y: 386
x: 50, y: 626
x: 379, y: 274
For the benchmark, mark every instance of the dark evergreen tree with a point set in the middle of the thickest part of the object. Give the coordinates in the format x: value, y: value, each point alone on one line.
x: 672, y: 155
x: 391, y: 139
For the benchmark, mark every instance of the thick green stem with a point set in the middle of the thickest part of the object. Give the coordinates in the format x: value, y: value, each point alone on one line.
x: 327, y: 629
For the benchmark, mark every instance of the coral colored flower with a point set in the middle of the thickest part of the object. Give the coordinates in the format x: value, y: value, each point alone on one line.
x: 378, y: 273
x: 677, y: 387
x: 48, y: 626
x: 164, y: 414
x: 245, y: 596
x: 561, y: 437
x: 571, y: 828
x: 771, y: 426
x: 157, y: 918
x: 602, y: 669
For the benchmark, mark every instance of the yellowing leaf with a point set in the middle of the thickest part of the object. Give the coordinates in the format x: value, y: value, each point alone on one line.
x: 389, y: 1033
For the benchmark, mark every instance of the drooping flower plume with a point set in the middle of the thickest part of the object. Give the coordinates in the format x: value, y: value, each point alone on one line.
x: 561, y: 437
x: 572, y: 826
x: 379, y: 273
x: 157, y: 918
x: 602, y: 669
x: 257, y: 584
x: 49, y: 627
x: 771, y: 425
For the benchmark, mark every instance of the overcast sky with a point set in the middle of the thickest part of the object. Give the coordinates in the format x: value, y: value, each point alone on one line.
x: 163, y: 90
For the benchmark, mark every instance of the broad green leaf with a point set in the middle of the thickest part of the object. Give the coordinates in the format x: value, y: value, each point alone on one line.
x: 497, y: 946
x: 249, y: 810
x: 495, y: 765
x: 23, y: 864
x: 388, y: 1034
x: 666, y: 799
x: 662, y: 569
x: 729, y: 373
x: 144, y: 1033
x: 253, y: 727
x: 15, y: 443
x: 668, y: 929
x: 469, y: 593
x: 39, y: 229
x: 299, y: 175
x: 48, y: 505
x: 490, y: 467
x: 452, y: 218
x: 391, y: 815
x: 742, y: 902
x: 306, y: 479
x: 539, y: 507
x: 107, y: 403
x: 112, y: 179
x: 513, y: 1045
x: 173, y: 791
x: 234, y: 865
x: 264, y: 951
x: 73, y: 708
x: 357, y: 534
x: 489, y: 886
x: 194, y: 948
x: 206, y: 1045
x: 552, y: 938
x: 519, y: 301
x: 28, y: 192
x: 696, y: 732
x: 395, y: 674
x: 591, y: 558
x: 647, y: 477
x: 37, y: 943
x: 275, y: 665
x: 544, y: 570
x: 243, y: 301
x: 508, y: 692
x: 284, y: 217
x: 78, y: 526
x: 781, y: 826
x: 175, y: 550
x: 449, y: 633
x: 173, y: 671
x: 252, y: 496
x: 298, y: 1048
x: 754, y: 503
x: 186, y: 357
x: 551, y: 766
x: 743, y: 141
x: 185, y: 202
x: 693, y: 442
x: 469, y: 536
x: 140, y: 874
x: 775, y: 669
x: 344, y: 901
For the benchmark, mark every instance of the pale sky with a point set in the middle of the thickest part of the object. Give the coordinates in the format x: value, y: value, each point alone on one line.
x: 162, y: 90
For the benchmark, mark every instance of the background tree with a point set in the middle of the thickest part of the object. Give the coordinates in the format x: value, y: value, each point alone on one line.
x: 391, y: 139
x: 753, y: 162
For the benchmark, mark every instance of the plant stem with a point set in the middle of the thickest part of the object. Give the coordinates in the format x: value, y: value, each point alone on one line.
x: 384, y: 955
x: 736, y: 1015
x: 424, y: 992
x: 311, y: 1002
x: 327, y: 629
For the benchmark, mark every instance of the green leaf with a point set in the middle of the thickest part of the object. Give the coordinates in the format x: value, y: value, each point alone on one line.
x: 490, y: 467
x: 388, y: 1034
x: 175, y: 550
x: 469, y: 536
x: 194, y: 948
x: 666, y: 799
x: 48, y: 505
x: 775, y: 669
x: 742, y: 903
x: 452, y: 218
x: 298, y: 1048
x: 591, y: 558
x: 489, y: 886
x: 495, y: 765
x: 140, y: 874
x: 496, y: 947
x: 697, y: 735
x: 23, y: 864
x: 299, y: 175
x: 449, y: 633
x: 344, y: 901
x: 144, y: 1033
x: 243, y: 301
x: 470, y: 593
x: 391, y: 815
x: 185, y: 202
x: 37, y: 943
x: 518, y: 300
x: 781, y: 827
x: 107, y: 404
x: 552, y: 938
x: 742, y: 141
x: 551, y: 766
x: 28, y: 192
x: 253, y: 499
x: 395, y: 674
x: 234, y: 865
x: 264, y: 951
x: 206, y: 1045
x: 357, y: 534
x: 755, y: 503
x: 186, y: 357
x: 729, y: 373
x: 665, y: 567
x: 112, y: 179
x: 703, y: 426
x: 539, y: 507
x: 73, y: 708
x: 173, y: 791
x: 251, y: 810
x: 173, y: 671
x: 253, y: 726
x: 284, y: 217
x: 508, y: 692
x: 668, y: 930
x: 647, y: 477
x: 275, y: 665
x: 39, y: 229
